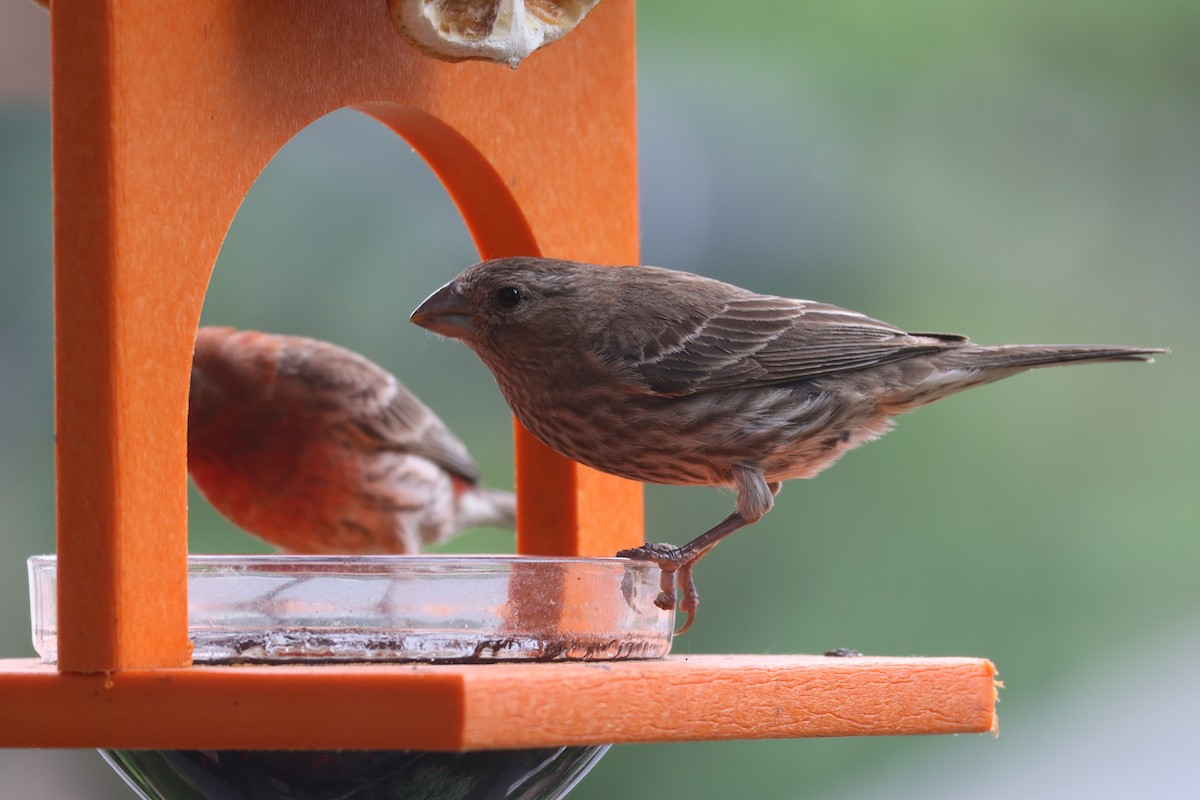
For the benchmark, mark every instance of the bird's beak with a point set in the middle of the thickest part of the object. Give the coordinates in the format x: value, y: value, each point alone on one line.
x: 446, y: 312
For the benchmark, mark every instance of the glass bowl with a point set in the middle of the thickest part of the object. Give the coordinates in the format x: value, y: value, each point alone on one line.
x: 455, y: 609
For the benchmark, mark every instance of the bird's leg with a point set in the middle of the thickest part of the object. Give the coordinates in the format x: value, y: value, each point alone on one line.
x: 754, y: 499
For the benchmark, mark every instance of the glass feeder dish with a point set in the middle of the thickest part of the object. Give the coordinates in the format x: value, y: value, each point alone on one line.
x: 445, y: 609
x: 346, y: 609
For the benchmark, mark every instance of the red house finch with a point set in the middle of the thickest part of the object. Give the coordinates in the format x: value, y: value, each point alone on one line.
x: 667, y: 377
x: 318, y: 450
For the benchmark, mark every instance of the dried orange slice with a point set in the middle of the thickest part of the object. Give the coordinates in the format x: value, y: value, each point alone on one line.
x: 503, y: 31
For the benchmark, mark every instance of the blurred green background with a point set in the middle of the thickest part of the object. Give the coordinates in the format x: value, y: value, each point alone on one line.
x: 1014, y: 170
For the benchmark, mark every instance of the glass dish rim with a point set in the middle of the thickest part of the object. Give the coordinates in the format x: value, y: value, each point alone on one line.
x: 465, y: 559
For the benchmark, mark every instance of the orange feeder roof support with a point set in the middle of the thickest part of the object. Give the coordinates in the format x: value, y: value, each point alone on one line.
x: 162, y: 121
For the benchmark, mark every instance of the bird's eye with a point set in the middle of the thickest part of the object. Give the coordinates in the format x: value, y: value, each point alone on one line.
x: 509, y: 296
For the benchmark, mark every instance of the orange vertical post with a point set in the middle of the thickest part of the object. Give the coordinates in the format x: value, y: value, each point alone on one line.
x: 163, y: 118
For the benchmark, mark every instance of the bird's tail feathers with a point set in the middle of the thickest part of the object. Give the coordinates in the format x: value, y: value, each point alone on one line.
x: 969, y: 365
x: 481, y: 506
x: 1021, y: 356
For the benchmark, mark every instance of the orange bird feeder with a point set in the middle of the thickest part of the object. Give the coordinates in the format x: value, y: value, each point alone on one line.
x: 163, y: 117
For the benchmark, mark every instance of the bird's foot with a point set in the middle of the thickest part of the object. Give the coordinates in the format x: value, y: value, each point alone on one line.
x: 668, y: 558
x: 671, y: 560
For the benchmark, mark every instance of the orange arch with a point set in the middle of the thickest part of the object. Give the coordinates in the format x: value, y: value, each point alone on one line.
x: 493, y: 215
x: 163, y: 120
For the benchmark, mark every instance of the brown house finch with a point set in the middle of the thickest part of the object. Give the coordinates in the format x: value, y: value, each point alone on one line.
x: 667, y: 377
x: 318, y: 450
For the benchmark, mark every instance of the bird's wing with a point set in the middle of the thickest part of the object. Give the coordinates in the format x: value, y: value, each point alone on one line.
x: 408, y: 423
x: 382, y: 410
x: 757, y: 340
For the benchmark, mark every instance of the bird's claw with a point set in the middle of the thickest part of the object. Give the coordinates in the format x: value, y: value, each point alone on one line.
x: 671, y: 560
x: 667, y: 556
